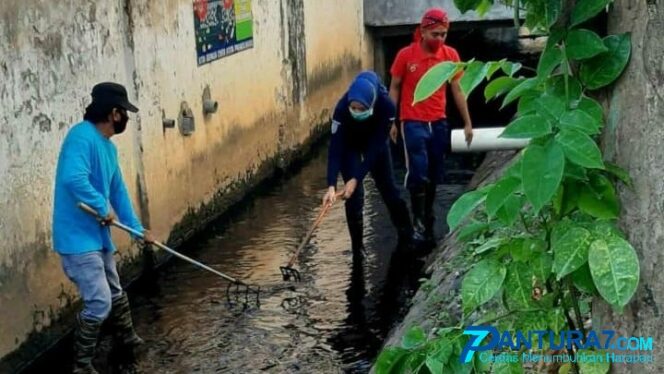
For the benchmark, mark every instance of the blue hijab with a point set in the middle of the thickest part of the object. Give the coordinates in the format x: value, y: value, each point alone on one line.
x: 366, y: 88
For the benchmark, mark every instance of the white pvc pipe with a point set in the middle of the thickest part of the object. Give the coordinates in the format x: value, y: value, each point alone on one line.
x: 485, y: 139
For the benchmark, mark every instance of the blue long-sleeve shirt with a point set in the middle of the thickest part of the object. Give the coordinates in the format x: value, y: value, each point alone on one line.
x: 367, y: 138
x: 88, y: 172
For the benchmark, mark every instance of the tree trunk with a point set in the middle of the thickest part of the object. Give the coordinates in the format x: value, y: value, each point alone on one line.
x: 633, y: 139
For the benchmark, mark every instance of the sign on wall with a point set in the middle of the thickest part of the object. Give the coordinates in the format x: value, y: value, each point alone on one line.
x: 222, y: 27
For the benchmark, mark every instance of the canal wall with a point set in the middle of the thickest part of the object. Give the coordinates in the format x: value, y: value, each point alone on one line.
x: 273, y: 99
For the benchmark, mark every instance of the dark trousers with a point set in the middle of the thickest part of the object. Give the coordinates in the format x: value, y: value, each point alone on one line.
x: 383, y: 176
x: 426, y: 144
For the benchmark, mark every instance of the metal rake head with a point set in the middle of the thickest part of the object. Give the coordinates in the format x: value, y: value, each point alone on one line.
x: 241, y: 294
x: 288, y: 273
x: 294, y: 305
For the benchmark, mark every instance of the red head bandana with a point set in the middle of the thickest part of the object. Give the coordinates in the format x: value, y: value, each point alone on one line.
x: 432, y: 18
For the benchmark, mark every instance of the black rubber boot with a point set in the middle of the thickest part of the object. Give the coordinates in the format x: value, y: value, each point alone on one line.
x: 122, y: 324
x: 429, y: 216
x: 417, y: 201
x: 356, y: 231
x: 401, y: 220
x: 85, y: 344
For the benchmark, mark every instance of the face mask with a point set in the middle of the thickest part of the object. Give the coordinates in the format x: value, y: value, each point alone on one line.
x: 434, y: 44
x: 361, y: 116
x: 120, y: 126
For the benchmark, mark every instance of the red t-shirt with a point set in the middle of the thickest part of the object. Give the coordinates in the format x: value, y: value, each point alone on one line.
x: 410, y: 64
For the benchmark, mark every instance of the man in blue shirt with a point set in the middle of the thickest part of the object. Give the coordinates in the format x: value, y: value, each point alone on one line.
x: 88, y: 172
x: 359, y: 145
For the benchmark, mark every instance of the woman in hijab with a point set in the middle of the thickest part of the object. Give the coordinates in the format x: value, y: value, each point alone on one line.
x: 360, y: 130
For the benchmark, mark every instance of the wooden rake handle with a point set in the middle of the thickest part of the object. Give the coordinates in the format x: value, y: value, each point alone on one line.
x: 324, y: 209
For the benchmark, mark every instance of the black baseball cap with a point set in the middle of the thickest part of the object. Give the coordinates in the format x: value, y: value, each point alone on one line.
x: 112, y: 94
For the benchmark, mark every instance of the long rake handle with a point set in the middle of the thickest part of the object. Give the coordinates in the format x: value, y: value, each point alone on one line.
x: 128, y: 229
x: 306, y: 239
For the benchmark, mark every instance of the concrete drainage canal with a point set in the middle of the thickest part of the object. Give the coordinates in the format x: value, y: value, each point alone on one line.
x: 334, y: 320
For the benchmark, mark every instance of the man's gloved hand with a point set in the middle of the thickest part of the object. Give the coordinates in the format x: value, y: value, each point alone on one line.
x: 147, y: 237
x: 108, y: 220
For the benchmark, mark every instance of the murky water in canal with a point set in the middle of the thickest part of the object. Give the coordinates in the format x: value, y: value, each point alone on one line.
x: 333, y: 321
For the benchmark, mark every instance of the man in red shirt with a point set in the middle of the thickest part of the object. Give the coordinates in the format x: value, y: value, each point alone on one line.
x: 424, y: 127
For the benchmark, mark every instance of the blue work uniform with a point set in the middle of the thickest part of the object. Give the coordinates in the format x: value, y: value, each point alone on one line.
x: 361, y: 147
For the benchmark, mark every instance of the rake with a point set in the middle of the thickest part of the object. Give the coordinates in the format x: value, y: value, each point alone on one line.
x: 287, y: 271
x: 237, y: 291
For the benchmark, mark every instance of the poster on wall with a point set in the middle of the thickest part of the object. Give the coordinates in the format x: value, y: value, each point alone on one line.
x: 222, y: 27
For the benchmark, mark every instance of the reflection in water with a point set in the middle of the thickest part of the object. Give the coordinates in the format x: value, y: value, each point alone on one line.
x: 334, y: 320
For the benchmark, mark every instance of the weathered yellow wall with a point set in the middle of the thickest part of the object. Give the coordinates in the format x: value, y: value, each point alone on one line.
x: 50, y: 57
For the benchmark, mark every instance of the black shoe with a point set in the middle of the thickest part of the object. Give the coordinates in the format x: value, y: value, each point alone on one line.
x: 85, y: 344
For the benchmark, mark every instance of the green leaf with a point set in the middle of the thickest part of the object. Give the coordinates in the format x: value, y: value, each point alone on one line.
x: 570, y: 252
x: 391, y: 360
x: 492, y: 243
x: 542, y: 265
x: 591, y: 366
x: 605, y: 68
x: 471, y: 230
x: 586, y: 9
x: 455, y: 366
x: 414, y: 338
x: 619, y: 173
x: 565, y: 369
x: 550, y: 106
x: 499, y: 194
x: 499, y: 86
x: 542, y: 170
x: 443, y: 350
x: 583, y: 280
x: 583, y: 44
x: 510, y: 68
x: 463, y: 206
x: 514, y: 170
x: 558, y: 199
x: 523, y: 87
x: 552, y: 9
x: 482, y: 366
x: 556, y: 87
x: 580, y: 148
x: 466, y: 5
x: 494, y: 66
x: 615, y: 269
x: 434, y: 79
x: 560, y: 229
x: 601, y: 229
x: 570, y: 198
x: 518, y: 286
x: 415, y: 362
x: 576, y: 172
x: 527, y: 104
x: 592, y: 108
x: 526, y: 127
x: 509, y: 212
x: 557, y: 320
x: 434, y: 365
x: 579, y: 120
x: 507, y: 368
x: 482, y: 283
x: 484, y: 7
x: 551, y: 58
x: 598, y: 198
x: 474, y: 74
